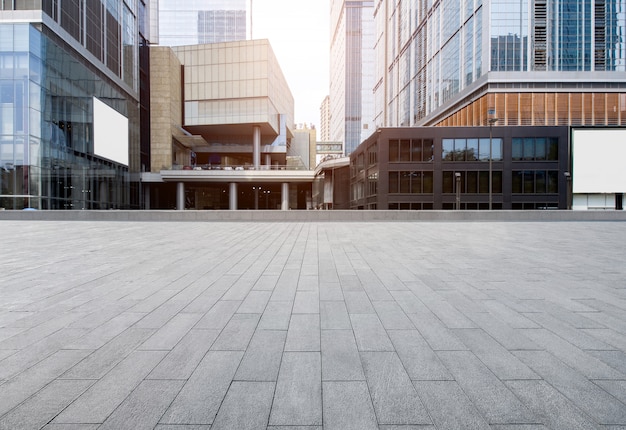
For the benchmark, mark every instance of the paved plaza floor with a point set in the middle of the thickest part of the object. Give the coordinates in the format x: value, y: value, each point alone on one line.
x: 310, y: 326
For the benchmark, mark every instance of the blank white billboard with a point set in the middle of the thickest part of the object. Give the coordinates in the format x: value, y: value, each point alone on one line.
x: 599, y: 160
x: 110, y: 133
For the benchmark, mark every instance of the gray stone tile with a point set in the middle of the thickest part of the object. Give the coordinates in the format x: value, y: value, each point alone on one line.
x: 330, y: 291
x: 22, y: 386
x: 219, y: 315
x: 202, y: 395
x: 254, y: 303
x: 508, y: 337
x: 298, y: 398
x: 265, y: 283
x: 350, y: 282
x: 17, y: 361
x: 369, y: 333
x: 294, y: 428
x: 334, y: 315
x: 182, y: 427
x: 449, y: 315
x: 72, y: 427
x: 410, y: 303
x: 448, y: 406
x: 306, y: 302
x: 309, y: 280
x: 161, y: 315
x: 358, y: 302
x: 550, y: 406
x: 237, y: 333
x: 106, y: 332
x: 44, y: 405
x: 394, y: 398
x: 101, y: 399
x: 509, y: 316
x: 615, y: 359
x: 340, y: 357
x: 609, y: 336
x: 304, y: 333
x: 573, y: 335
x: 40, y: 332
x: 419, y: 360
x: 171, y: 333
x: 616, y: 388
x: 96, y: 365
x: 518, y: 427
x: 276, y: 316
x: 499, y: 360
x: 184, y: 358
x: 257, y: 398
x: 286, y: 286
x: 439, y: 337
x: 348, y: 406
x: 573, y: 356
x: 392, y: 316
x: 144, y: 406
x: 261, y: 361
x: 587, y: 396
x: 494, y: 401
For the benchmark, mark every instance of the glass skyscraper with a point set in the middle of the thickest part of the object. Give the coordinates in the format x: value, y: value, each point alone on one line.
x: 192, y: 22
x: 69, y: 95
x: 351, y: 72
x: 525, y: 62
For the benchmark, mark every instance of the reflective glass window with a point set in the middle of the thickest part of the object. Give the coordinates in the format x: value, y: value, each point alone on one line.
x: 447, y: 149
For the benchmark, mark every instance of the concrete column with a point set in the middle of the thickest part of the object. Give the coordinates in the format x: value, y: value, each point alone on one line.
x: 285, y: 197
x: 256, y: 146
x: 180, y: 196
x: 233, y: 196
x: 268, y: 161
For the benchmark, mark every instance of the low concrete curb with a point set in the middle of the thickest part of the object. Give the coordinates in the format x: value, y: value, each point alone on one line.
x: 314, y: 216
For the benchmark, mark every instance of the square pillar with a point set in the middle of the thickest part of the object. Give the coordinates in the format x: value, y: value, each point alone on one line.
x: 284, y: 206
x: 233, y: 197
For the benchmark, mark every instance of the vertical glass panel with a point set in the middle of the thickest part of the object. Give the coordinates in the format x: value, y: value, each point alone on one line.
x: 460, y: 145
x: 540, y: 182
x: 448, y: 182
x: 553, y: 182
x: 472, y: 182
x: 405, y: 182
x: 405, y: 150
x: 529, y: 149
x: 540, y: 148
x: 517, y: 150
x: 427, y: 182
x: 417, y: 150
x: 484, y: 152
x: 497, y: 149
x: 483, y: 182
x: 497, y: 182
x: 529, y: 182
x: 393, y: 182
x: 447, y: 153
x: 472, y: 150
x: 516, y: 181
x: 553, y: 149
x: 428, y: 150
x: 416, y: 182
x: 394, y: 154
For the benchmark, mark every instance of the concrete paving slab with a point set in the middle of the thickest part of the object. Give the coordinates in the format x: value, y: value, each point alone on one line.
x: 501, y: 325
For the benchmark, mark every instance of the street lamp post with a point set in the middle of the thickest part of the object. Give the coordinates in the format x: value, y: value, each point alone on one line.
x: 457, y: 176
x: 492, y: 121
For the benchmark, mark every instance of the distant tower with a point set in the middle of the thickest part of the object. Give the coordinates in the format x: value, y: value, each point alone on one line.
x: 325, y: 120
x: 186, y: 23
x: 351, y: 71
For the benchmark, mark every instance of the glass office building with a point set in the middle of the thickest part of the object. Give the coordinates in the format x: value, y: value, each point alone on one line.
x: 351, y: 72
x: 192, y: 22
x: 69, y: 121
x: 525, y: 62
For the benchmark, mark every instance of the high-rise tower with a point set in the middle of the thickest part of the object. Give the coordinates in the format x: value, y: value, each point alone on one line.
x: 69, y: 96
x: 524, y: 62
x: 351, y: 71
x: 192, y: 22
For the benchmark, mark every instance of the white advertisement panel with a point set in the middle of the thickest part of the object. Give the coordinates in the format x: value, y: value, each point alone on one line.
x: 110, y: 133
x: 599, y: 160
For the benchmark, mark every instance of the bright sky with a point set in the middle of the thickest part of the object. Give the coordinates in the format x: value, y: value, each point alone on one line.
x: 298, y: 31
